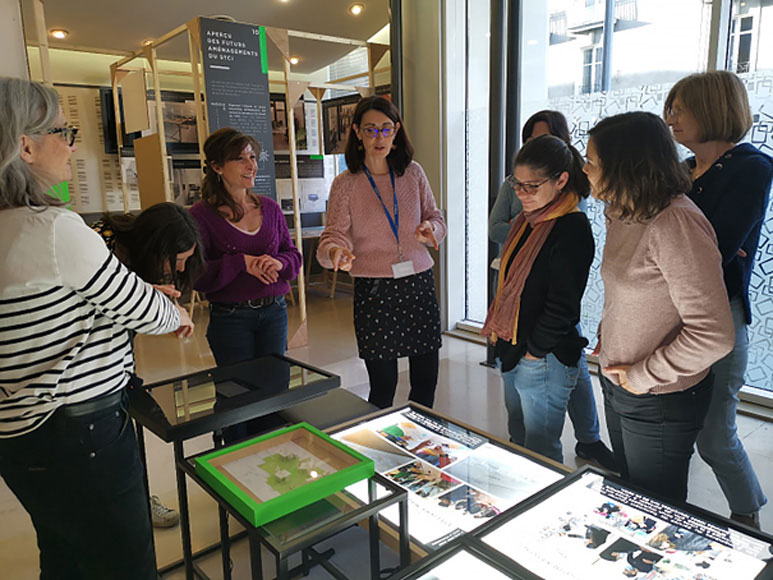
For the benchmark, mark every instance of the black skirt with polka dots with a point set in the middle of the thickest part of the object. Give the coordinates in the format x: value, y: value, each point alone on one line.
x: 394, y: 318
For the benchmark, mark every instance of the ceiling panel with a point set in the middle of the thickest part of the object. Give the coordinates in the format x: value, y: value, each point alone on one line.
x: 110, y: 25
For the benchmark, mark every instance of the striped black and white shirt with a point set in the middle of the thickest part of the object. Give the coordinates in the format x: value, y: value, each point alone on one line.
x: 66, y: 306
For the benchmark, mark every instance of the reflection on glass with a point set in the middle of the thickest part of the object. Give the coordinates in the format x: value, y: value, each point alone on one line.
x: 463, y: 566
x: 456, y: 479
x: 596, y: 528
x: 220, y: 389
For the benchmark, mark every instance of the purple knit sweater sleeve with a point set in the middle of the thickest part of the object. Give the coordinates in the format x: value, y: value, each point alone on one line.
x: 226, y: 278
x: 221, y: 268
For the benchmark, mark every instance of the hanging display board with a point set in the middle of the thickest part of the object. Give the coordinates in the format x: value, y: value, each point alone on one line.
x: 96, y: 177
x: 236, y: 81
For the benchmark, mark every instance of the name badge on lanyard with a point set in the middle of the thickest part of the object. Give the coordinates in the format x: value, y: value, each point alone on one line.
x: 402, y: 267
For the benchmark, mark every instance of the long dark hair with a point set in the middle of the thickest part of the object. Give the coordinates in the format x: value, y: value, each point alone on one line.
x: 555, y: 120
x: 640, y: 169
x: 224, y: 145
x: 552, y: 156
x: 151, y: 241
x: 402, y: 154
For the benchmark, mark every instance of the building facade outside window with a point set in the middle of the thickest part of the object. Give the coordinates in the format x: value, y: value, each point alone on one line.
x: 654, y: 44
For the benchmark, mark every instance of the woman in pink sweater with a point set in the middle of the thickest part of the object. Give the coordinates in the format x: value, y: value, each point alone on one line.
x: 381, y: 218
x: 666, y: 316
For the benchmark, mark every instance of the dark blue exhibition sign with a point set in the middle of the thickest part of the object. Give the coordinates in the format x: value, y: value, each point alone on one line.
x: 236, y: 81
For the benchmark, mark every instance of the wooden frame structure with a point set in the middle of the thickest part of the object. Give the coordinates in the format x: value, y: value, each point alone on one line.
x: 292, y: 89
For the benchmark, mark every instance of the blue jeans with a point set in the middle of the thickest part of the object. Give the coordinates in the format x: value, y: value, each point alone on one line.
x: 582, y: 405
x: 81, y: 481
x: 536, y: 396
x: 718, y: 443
x: 238, y: 334
x: 242, y: 333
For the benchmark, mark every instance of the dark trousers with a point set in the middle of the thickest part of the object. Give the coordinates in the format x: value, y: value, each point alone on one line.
x: 423, y: 371
x: 239, y: 334
x: 80, y: 479
x: 653, y: 436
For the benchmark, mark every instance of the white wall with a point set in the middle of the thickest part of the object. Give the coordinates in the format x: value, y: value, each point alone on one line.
x: 14, y: 60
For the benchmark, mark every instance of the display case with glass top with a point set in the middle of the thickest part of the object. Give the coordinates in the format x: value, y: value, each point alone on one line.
x: 592, y: 525
x: 209, y: 400
x: 462, y: 559
x: 457, y: 477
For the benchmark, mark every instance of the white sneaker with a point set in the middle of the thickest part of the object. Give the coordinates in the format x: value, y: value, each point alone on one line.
x: 163, y: 517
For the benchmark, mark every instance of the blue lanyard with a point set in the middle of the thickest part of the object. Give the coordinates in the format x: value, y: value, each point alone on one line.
x: 393, y: 223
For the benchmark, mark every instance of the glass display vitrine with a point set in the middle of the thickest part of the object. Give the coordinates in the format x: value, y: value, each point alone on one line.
x: 457, y: 477
x: 591, y: 525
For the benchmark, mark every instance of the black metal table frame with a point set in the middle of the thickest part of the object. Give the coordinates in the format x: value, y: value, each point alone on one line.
x: 306, y: 541
x: 177, y: 435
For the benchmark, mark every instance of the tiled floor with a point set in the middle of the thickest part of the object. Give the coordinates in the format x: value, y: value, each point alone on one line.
x: 467, y: 391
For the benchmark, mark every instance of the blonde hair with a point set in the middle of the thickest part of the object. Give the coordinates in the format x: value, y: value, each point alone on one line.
x: 719, y: 103
x: 26, y: 108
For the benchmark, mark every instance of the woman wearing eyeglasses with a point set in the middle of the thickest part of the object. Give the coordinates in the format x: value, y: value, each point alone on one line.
x: 709, y: 114
x: 381, y: 219
x: 67, y: 447
x: 582, y: 403
x: 666, y: 316
x: 533, y: 318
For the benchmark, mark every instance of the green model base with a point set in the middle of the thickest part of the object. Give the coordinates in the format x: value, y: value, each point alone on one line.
x: 294, y: 489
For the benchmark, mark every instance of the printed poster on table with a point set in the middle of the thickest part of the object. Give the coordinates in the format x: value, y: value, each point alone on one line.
x: 456, y: 479
x: 594, y: 528
x: 236, y: 81
x: 463, y: 566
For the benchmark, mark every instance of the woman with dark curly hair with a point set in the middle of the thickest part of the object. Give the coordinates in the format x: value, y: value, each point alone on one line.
x: 666, y: 318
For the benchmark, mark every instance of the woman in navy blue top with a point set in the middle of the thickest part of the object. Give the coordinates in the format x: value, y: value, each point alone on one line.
x: 709, y: 114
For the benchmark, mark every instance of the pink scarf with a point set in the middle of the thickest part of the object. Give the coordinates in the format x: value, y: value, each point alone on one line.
x: 502, y: 318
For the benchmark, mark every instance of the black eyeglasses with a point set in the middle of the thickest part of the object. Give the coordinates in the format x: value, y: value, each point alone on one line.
x: 68, y: 134
x: 526, y: 188
x: 373, y: 132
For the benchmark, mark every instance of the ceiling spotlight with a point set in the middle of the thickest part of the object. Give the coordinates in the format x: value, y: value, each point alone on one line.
x: 356, y: 9
x: 58, y: 33
x: 294, y: 60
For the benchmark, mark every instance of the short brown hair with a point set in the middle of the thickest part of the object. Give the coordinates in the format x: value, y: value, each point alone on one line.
x: 402, y: 153
x: 640, y: 169
x: 719, y: 103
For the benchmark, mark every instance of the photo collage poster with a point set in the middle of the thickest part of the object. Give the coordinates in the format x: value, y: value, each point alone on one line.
x: 456, y: 479
x: 594, y: 528
x: 463, y: 566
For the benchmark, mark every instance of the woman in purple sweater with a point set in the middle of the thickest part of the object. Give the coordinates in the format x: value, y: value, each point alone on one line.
x: 666, y: 317
x: 250, y: 258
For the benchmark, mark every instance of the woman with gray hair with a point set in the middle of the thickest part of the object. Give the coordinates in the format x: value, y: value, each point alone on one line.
x: 67, y: 449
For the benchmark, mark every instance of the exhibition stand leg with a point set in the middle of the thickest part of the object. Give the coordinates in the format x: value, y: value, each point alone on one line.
x: 182, y: 498
x: 375, y: 560
x: 225, y: 542
x: 256, y: 560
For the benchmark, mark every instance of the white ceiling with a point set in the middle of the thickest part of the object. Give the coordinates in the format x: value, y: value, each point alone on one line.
x: 122, y: 26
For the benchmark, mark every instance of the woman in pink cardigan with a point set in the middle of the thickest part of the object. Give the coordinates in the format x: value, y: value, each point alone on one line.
x: 381, y: 218
x: 666, y: 316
